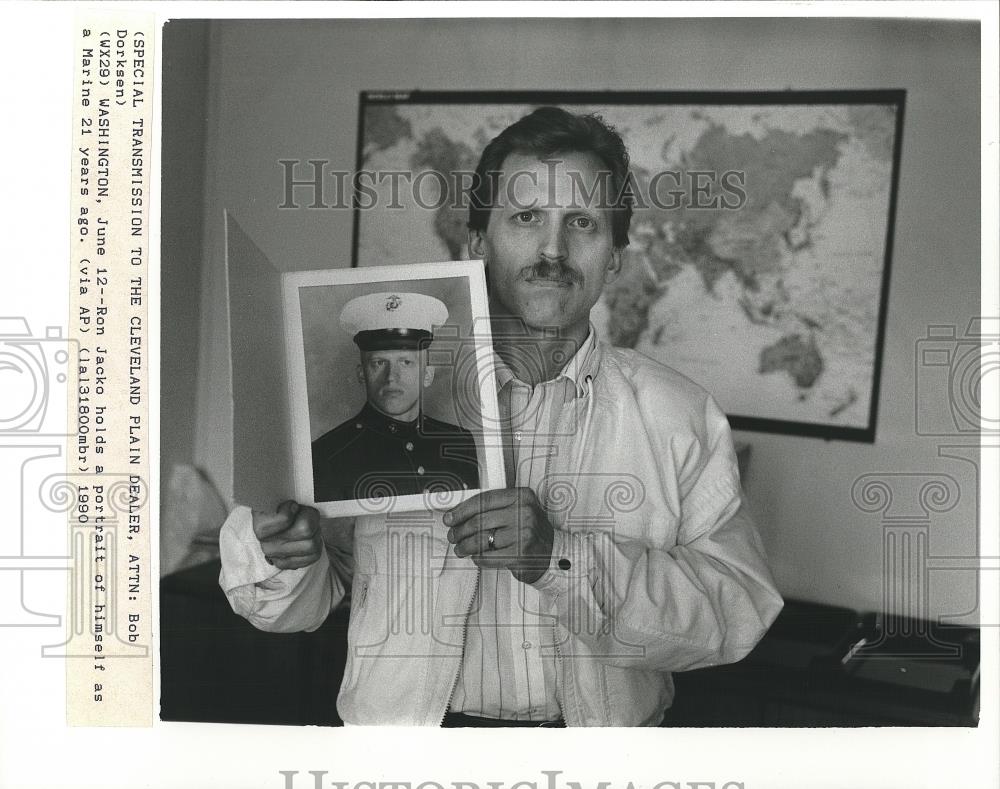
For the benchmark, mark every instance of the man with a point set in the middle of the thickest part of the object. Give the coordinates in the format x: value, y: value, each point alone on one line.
x: 620, y: 551
x: 391, y: 446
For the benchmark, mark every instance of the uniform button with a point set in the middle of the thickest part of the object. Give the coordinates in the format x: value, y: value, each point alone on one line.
x: 420, y: 469
x: 525, y: 645
x: 409, y: 446
x: 393, y: 428
x: 564, y: 564
x: 357, y: 425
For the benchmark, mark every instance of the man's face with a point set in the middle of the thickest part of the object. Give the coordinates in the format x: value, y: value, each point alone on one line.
x: 548, y: 246
x: 393, y: 380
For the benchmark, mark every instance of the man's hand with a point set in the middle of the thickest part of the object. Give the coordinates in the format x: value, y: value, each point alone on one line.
x: 290, y: 538
x: 522, y: 534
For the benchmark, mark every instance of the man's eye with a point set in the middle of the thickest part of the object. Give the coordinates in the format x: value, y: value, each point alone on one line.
x: 584, y: 223
x: 524, y: 217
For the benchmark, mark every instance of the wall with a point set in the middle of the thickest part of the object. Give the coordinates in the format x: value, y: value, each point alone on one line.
x: 185, y: 64
x: 291, y: 91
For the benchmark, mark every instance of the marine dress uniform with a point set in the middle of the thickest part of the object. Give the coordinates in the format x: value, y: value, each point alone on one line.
x: 375, y: 455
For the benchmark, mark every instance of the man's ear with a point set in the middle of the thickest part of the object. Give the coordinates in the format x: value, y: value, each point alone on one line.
x: 614, y: 266
x: 360, y: 372
x: 429, y: 375
x: 477, y: 244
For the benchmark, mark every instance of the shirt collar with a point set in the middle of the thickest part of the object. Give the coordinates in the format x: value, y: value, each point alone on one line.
x: 577, y: 369
x: 581, y: 365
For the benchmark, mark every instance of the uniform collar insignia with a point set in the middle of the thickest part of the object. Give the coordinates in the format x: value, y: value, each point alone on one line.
x: 374, y: 419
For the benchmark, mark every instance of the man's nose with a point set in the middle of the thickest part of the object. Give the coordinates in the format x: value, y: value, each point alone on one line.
x: 553, y: 244
x: 392, y: 372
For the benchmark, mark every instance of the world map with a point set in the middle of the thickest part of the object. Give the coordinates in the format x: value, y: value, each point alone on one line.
x: 769, y: 298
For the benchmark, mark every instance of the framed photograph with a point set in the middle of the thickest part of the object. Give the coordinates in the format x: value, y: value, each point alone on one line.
x: 391, y: 388
x: 760, y: 243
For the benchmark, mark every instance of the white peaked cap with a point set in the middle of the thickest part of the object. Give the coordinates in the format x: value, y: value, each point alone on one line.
x: 392, y: 319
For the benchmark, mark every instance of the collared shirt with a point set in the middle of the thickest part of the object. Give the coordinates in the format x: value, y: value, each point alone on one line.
x: 509, y: 666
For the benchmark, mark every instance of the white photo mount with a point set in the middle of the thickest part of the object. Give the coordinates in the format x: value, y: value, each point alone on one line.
x: 280, y: 402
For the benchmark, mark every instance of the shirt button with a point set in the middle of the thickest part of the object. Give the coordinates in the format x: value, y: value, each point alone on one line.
x: 525, y: 645
x: 420, y: 469
x: 564, y: 564
x: 409, y: 446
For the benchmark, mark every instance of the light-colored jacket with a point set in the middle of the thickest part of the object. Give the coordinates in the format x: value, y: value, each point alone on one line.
x: 656, y: 566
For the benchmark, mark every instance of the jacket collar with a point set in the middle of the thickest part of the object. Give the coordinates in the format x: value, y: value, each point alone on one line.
x: 374, y: 419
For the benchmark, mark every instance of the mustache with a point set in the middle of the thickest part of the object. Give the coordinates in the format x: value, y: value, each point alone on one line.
x: 551, y: 269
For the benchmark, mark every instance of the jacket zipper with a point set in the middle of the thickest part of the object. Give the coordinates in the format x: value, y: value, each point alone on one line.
x: 454, y: 681
x: 560, y: 679
x: 561, y: 673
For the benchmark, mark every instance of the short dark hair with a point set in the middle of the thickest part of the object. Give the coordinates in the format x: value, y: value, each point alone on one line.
x: 543, y: 133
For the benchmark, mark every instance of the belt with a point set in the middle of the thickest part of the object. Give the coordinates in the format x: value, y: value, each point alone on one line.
x: 455, y: 720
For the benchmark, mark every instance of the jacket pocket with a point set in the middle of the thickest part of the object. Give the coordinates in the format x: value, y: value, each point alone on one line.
x: 412, y: 547
x: 392, y: 633
x: 397, y: 578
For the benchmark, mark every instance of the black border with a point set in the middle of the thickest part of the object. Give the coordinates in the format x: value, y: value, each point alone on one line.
x: 894, y: 96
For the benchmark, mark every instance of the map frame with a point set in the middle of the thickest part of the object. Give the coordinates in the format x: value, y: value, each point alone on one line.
x: 570, y: 99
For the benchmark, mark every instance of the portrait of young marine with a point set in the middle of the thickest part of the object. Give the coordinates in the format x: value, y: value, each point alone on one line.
x: 391, y: 447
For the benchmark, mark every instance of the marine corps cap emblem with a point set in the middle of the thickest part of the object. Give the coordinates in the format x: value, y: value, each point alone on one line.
x: 392, y: 303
